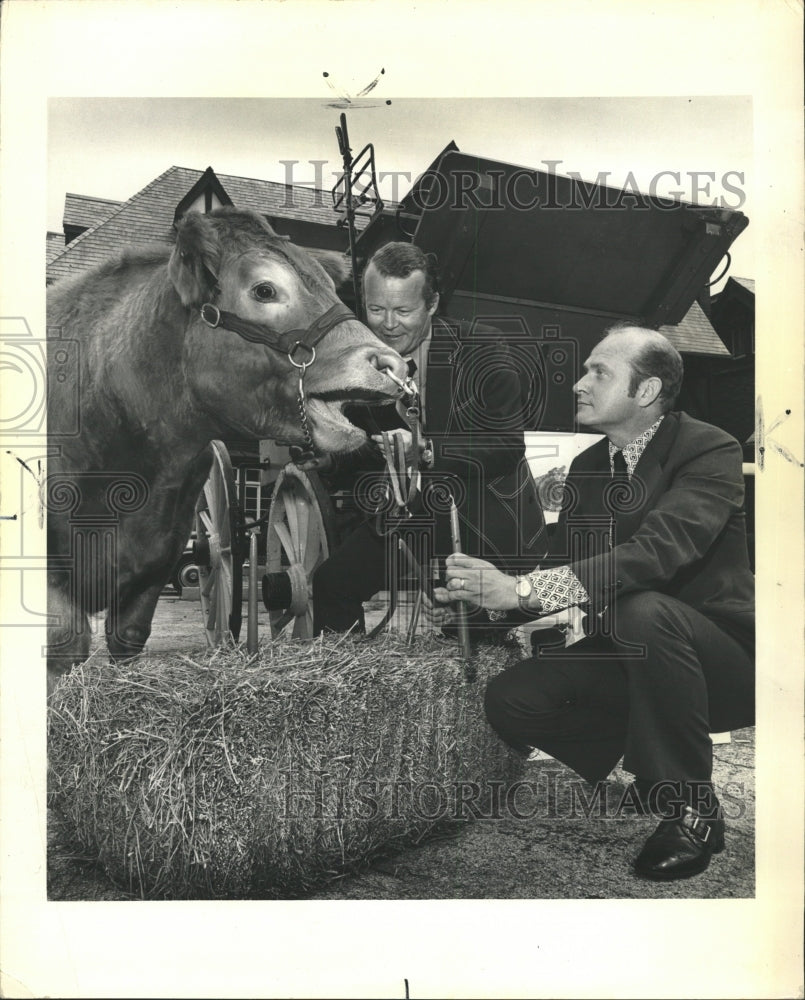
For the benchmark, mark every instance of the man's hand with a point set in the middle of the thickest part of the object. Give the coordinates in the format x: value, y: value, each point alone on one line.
x: 434, y: 615
x: 478, y: 582
x: 407, y: 440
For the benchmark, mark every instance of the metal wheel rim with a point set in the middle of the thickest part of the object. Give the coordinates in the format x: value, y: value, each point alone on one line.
x: 217, y: 520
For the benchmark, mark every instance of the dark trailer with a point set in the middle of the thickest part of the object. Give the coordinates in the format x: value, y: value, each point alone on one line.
x: 551, y: 261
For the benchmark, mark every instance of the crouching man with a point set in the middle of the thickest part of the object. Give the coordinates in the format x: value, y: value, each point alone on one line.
x: 651, y: 544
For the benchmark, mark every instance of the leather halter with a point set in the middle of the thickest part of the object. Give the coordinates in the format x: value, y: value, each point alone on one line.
x: 283, y: 343
x: 289, y: 343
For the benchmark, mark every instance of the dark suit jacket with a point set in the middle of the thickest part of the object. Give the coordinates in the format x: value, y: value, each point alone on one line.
x: 679, y: 528
x: 473, y: 413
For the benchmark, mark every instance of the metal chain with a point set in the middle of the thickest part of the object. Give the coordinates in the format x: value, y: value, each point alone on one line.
x: 302, y: 366
x: 300, y: 402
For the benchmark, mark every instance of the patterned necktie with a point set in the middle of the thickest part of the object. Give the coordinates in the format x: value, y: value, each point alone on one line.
x: 620, y: 478
x: 620, y: 473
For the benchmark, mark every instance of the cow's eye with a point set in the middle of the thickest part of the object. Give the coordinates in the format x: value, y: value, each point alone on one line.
x: 264, y: 292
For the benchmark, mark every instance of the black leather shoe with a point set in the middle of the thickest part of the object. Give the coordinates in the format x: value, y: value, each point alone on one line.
x: 679, y: 848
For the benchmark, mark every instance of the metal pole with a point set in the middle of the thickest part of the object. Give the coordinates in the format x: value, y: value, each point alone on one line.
x: 251, y: 626
x: 346, y: 154
x: 461, y: 606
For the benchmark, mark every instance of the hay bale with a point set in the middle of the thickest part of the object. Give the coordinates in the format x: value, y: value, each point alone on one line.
x: 265, y: 777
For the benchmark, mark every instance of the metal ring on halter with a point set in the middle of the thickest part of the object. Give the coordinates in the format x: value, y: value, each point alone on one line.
x: 304, y: 364
x: 408, y: 386
x: 211, y: 315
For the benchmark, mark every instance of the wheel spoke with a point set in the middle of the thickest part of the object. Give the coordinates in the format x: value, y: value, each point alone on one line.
x: 211, y: 609
x: 285, y: 538
x: 302, y: 510
x: 217, y: 486
x: 278, y: 624
x: 204, y: 517
x: 224, y: 608
x: 303, y: 625
x: 222, y: 510
x: 226, y: 577
x: 313, y: 549
x: 211, y: 496
x: 289, y: 503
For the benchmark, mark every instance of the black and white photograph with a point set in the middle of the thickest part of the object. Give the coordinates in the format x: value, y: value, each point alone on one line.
x: 391, y: 473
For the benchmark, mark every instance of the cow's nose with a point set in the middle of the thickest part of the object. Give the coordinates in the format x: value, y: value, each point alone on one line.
x: 383, y: 357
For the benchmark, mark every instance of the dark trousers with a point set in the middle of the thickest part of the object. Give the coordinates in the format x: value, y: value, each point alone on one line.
x: 354, y: 572
x: 361, y: 566
x: 654, y: 705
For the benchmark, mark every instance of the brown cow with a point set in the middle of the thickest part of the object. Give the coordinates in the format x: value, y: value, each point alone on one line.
x: 156, y: 382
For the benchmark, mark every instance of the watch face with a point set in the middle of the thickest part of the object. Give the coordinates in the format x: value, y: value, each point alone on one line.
x: 523, y: 587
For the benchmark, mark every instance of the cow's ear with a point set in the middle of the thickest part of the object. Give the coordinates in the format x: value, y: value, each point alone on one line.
x: 334, y: 263
x: 195, y: 260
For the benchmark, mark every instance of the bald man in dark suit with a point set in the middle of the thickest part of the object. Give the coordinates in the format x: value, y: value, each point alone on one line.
x: 651, y: 544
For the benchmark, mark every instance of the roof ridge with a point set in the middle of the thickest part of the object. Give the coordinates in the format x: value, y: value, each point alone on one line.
x: 282, y: 184
x: 123, y: 205
x: 92, y: 197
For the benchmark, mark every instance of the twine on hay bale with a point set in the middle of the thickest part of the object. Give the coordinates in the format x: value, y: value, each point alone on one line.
x: 243, y: 778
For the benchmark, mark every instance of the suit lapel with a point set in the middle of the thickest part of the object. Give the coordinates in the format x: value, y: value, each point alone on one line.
x: 440, y: 376
x: 592, y: 477
x: 648, y: 476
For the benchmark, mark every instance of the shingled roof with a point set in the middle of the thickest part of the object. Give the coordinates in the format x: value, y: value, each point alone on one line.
x: 55, y: 246
x: 694, y: 334
x: 85, y: 211
x: 147, y: 217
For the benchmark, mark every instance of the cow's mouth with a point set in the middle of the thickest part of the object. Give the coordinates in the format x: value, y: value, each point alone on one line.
x: 332, y: 429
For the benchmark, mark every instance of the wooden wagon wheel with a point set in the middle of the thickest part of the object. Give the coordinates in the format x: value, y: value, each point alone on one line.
x: 218, y: 550
x: 301, y: 534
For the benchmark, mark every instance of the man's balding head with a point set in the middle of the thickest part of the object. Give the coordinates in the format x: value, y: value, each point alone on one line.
x: 632, y: 378
x: 651, y: 355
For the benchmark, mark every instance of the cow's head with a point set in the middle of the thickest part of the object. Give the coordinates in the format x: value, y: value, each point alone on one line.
x: 235, y: 261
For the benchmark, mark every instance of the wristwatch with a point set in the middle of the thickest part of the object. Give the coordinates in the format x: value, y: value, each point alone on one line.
x: 523, y: 588
x: 427, y: 454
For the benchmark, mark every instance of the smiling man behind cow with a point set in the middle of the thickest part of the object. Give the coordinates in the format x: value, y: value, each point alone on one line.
x: 472, y: 407
x: 652, y: 544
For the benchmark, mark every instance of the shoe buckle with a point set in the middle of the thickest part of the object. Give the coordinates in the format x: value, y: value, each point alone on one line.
x: 695, y: 823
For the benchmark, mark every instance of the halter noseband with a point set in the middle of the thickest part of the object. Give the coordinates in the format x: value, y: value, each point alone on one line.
x: 283, y: 343
x: 290, y: 343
